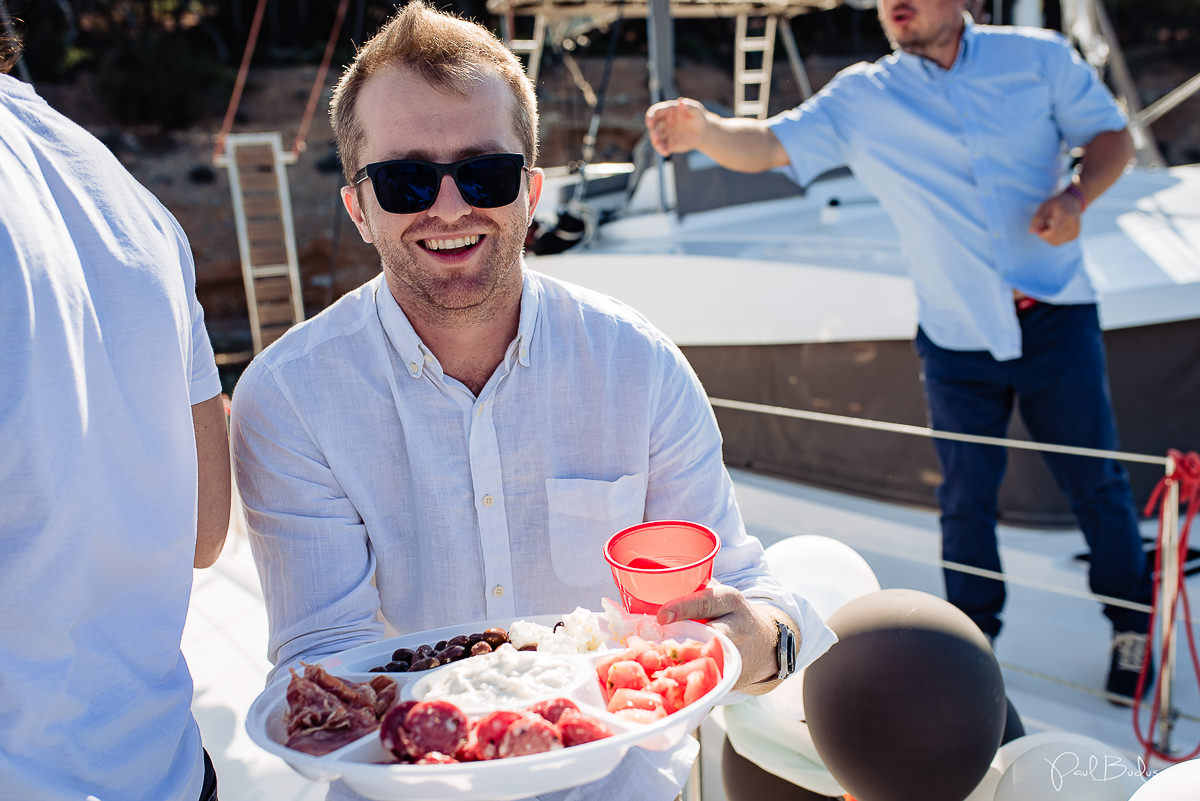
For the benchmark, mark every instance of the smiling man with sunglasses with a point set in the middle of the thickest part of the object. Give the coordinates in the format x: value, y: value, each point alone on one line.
x: 455, y: 440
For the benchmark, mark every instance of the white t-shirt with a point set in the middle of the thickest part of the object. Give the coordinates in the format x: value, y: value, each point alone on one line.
x: 102, y: 354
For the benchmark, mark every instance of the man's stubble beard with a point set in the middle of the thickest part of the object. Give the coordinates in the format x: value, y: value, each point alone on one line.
x: 450, y: 302
x: 921, y: 45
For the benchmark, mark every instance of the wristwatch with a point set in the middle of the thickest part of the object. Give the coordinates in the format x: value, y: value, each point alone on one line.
x: 785, y: 650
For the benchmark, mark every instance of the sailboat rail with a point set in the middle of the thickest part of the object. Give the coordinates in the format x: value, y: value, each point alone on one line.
x: 1171, y: 570
x: 930, y: 433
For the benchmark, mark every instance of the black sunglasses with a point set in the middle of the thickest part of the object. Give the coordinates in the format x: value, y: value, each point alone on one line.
x: 406, y: 186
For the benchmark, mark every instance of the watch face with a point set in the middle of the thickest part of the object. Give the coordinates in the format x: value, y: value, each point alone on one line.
x: 785, y: 651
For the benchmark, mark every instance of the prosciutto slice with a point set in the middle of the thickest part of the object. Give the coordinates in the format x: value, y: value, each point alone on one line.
x: 325, y: 713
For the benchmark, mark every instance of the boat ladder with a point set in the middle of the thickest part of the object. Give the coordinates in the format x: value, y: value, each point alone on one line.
x: 530, y: 48
x: 262, y: 208
x: 746, y: 77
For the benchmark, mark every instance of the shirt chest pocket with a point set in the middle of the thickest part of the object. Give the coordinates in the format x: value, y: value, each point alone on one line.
x: 583, y: 514
x: 1026, y: 113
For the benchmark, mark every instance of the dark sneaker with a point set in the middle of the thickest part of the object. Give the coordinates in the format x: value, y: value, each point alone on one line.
x: 1128, y: 656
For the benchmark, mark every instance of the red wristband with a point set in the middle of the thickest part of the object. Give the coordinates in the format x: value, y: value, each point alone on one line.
x: 1074, y: 191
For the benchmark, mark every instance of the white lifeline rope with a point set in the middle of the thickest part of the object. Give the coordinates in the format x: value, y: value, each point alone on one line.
x: 921, y: 431
x: 929, y: 433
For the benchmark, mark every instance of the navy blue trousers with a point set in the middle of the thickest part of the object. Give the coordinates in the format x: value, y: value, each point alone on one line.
x: 1061, y: 388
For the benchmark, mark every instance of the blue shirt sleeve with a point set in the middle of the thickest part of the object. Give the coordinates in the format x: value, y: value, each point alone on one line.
x: 1083, y: 106
x: 813, y: 132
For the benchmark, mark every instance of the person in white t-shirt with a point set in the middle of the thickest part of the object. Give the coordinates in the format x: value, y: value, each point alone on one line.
x: 114, y: 471
x: 455, y: 440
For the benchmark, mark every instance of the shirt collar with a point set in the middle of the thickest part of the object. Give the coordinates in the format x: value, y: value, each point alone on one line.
x: 417, y: 356
x: 531, y: 301
x: 930, y: 71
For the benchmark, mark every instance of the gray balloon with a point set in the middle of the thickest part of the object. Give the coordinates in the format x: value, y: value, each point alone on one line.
x: 746, y: 781
x: 909, y: 704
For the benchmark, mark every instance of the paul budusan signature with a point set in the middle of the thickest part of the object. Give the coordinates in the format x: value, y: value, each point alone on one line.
x: 1109, y: 768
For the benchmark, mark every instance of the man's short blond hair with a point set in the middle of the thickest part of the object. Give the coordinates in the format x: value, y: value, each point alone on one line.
x: 449, y: 52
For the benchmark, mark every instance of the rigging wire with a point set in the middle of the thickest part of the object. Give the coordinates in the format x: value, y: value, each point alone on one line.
x: 238, y: 85
x: 319, y: 83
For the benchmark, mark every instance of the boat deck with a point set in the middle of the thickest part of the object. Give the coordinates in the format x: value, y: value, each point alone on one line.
x: 225, y: 636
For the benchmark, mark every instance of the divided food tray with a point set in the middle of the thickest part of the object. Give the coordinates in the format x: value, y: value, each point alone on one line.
x: 365, y: 766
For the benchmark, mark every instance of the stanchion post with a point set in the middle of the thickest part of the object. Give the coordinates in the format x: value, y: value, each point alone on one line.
x: 1168, y: 590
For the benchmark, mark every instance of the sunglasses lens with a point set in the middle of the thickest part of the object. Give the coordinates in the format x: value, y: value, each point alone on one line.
x: 405, y: 187
x: 490, y: 182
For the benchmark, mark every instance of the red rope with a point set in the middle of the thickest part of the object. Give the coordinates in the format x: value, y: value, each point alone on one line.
x: 240, y: 83
x: 319, y: 83
x: 1187, y: 475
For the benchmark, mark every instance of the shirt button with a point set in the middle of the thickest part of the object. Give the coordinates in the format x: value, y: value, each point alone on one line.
x: 488, y: 500
x: 412, y: 368
x: 429, y: 358
x: 498, y: 590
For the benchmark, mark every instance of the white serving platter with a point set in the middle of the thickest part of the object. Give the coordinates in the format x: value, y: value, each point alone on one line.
x: 359, y: 764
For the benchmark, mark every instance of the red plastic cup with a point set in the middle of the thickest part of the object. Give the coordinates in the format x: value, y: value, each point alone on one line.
x: 657, y: 561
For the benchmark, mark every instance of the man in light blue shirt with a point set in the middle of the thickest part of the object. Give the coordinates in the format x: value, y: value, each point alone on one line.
x: 963, y: 133
x: 455, y: 440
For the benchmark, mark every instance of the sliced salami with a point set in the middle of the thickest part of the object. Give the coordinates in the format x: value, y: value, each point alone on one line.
x: 531, y: 734
x: 435, y: 726
x: 392, y: 733
x: 577, y: 728
x: 552, y: 710
x: 469, y: 750
x: 490, y: 730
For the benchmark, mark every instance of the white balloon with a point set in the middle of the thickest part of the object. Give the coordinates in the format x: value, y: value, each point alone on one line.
x: 829, y: 574
x: 1177, y: 782
x: 1060, y: 766
x: 826, y: 572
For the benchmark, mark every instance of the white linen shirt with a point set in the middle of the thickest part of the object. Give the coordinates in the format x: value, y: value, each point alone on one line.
x: 379, y: 490
x: 104, y: 352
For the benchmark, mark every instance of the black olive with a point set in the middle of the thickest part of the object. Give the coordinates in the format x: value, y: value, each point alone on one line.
x: 424, y: 663
x: 451, y: 653
x: 495, y: 637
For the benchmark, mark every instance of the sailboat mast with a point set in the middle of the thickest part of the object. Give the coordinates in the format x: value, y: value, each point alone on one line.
x: 661, y: 37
